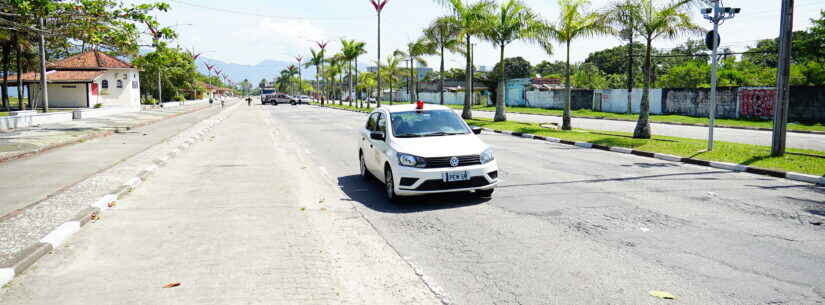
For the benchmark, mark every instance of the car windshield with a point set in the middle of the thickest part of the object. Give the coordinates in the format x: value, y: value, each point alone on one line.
x: 411, y: 124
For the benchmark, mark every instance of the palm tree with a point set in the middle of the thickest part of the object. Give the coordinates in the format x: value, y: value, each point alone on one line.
x: 445, y: 36
x: 654, y: 19
x: 575, y: 21
x: 292, y: 71
x: 415, y: 52
x: 391, y: 73
x: 512, y: 21
x: 350, y: 51
x: 469, y: 18
x: 359, y: 48
x: 333, y: 69
x: 316, y: 59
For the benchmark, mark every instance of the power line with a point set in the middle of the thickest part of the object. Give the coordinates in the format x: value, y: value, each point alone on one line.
x: 246, y: 13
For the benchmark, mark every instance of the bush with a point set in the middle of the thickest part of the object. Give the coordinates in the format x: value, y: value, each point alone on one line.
x: 150, y: 101
x: 98, y: 105
x: 180, y: 98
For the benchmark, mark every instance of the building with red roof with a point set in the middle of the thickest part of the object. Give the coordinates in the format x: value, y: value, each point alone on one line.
x: 85, y: 80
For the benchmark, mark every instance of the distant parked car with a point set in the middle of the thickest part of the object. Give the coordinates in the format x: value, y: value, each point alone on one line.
x: 303, y: 99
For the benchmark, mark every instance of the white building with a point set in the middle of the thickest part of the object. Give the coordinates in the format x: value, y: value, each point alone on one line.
x: 86, y: 80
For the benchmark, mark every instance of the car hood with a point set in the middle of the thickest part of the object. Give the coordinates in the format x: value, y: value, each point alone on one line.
x: 441, y: 146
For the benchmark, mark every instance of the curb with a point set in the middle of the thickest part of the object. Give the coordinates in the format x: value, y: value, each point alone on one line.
x: 25, y: 258
x: 92, y: 136
x: 670, y: 123
x: 816, y: 180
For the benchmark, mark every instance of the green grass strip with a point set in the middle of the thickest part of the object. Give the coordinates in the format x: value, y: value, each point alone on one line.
x: 796, y: 160
x: 656, y: 118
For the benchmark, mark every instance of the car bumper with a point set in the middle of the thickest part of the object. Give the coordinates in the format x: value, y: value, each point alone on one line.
x: 431, y: 180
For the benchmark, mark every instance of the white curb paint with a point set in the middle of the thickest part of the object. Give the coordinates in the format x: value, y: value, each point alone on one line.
x: 584, y: 144
x: 729, y: 166
x: 507, y: 132
x: 623, y: 150
x: 527, y: 135
x: 103, y: 203
x: 804, y: 177
x: 555, y: 140
x: 151, y: 168
x: 134, y: 182
x: 59, y: 235
x: 6, y: 275
x: 667, y: 157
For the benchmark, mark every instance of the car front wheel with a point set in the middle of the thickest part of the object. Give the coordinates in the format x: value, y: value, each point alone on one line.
x: 389, y: 185
x: 365, y: 173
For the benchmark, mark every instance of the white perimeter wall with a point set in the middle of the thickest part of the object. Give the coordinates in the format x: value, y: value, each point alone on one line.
x: 615, y: 100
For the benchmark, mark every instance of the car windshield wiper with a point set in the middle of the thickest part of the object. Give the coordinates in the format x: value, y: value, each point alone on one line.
x: 441, y: 133
x: 408, y: 135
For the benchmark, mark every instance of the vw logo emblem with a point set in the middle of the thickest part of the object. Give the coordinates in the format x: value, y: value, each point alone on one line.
x: 453, y: 161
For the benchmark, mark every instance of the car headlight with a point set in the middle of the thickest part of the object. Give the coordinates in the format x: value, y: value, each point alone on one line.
x: 487, y: 156
x: 411, y: 161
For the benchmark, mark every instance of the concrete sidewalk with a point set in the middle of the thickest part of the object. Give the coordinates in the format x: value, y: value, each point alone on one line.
x: 217, y: 221
x: 27, y: 181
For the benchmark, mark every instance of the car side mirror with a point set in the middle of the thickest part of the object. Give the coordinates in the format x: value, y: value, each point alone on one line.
x: 476, y: 129
x: 377, y: 135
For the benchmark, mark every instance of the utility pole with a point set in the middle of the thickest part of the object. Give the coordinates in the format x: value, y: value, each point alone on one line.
x: 630, y: 32
x: 715, y: 15
x: 783, y: 71
x: 44, y: 89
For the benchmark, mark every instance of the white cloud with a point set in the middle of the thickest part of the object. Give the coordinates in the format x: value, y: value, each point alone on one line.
x: 287, y: 38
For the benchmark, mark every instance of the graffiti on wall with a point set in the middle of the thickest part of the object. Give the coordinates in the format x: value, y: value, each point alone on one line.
x: 756, y: 102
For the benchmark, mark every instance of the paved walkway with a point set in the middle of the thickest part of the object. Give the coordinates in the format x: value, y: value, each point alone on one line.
x: 237, y: 219
x: 26, y: 181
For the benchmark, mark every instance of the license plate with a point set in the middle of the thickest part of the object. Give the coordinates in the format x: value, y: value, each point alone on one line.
x: 456, y: 176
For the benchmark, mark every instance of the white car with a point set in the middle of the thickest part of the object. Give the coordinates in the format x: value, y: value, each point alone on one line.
x: 418, y: 149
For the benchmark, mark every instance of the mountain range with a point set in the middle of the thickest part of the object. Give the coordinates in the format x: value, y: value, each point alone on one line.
x: 268, y: 69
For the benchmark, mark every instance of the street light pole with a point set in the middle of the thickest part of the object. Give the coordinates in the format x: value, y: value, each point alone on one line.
x: 715, y: 15
x: 379, y: 6
x: 43, y: 83
x: 780, y: 113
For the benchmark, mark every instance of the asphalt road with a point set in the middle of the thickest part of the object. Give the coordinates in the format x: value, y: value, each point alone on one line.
x: 238, y: 219
x: 756, y: 137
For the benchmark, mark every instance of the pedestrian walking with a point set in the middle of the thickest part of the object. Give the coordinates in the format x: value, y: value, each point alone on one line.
x: 249, y: 101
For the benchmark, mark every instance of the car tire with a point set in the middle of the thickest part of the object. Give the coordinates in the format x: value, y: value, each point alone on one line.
x: 485, y: 193
x: 365, y: 173
x: 389, y: 186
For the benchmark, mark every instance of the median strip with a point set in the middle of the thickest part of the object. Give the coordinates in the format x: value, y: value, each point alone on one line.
x: 798, y: 164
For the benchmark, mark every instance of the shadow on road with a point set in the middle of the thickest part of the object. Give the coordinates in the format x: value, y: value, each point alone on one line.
x: 371, y: 194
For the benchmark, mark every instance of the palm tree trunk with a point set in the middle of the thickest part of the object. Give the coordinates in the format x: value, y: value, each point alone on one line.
x: 468, y: 84
x: 318, y: 82
x: 19, y: 54
x: 643, y: 124
x: 356, y: 84
x: 502, y: 84
x: 349, y: 93
x: 565, y: 125
x: 5, y: 86
x: 441, y: 76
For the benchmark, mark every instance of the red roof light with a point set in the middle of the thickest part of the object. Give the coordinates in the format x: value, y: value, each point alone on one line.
x: 419, y: 105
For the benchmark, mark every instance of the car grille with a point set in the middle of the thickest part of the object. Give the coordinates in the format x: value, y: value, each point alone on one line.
x: 440, y: 185
x: 440, y: 162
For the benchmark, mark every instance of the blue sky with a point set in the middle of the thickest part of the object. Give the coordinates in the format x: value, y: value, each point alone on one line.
x: 250, y: 31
